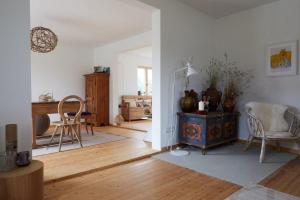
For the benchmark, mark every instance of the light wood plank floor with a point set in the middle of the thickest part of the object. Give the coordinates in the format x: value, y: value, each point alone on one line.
x: 286, y: 179
x: 89, y: 159
x: 146, y: 179
x: 87, y: 174
x: 139, y: 125
x: 122, y: 132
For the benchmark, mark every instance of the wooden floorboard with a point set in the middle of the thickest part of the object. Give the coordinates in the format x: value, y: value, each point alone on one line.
x: 139, y: 135
x: 146, y: 179
x: 286, y: 179
x: 76, y: 162
x: 104, y: 172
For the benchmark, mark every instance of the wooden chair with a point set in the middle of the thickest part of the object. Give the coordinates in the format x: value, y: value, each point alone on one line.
x: 267, y: 122
x: 87, y: 117
x: 71, y: 125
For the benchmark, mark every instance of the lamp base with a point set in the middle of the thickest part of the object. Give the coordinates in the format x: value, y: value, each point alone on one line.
x: 179, y: 152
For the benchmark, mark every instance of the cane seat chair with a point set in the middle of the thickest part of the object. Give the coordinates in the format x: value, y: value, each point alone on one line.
x: 68, y: 125
x: 87, y: 118
x: 271, y: 122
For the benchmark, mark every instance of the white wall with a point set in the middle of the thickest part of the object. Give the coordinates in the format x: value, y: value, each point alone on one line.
x: 156, y: 80
x: 60, y: 71
x: 128, y: 62
x: 184, y: 32
x: 108, y: 56
x: 15, y: 101
x: 245, y: 37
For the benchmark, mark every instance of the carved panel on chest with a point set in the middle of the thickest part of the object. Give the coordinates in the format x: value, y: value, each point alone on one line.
x: 229, y: 129
x: 214, y: 132
x: 205, y: 131
x: 191, y: 130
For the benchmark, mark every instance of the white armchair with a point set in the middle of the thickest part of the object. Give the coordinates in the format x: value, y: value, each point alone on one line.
x: 271, y: 122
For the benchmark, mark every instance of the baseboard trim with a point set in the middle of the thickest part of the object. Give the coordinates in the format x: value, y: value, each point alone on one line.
x: 272, y: 146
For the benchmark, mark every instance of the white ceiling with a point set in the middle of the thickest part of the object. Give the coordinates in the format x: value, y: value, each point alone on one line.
x: 91, y: 22
x: 222, y: 8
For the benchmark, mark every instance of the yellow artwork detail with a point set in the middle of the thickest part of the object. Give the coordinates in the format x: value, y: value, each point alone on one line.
x: 281, y: 60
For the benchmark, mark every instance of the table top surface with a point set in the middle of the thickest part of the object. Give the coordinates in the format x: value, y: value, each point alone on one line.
x: 53, y: 102
x: 21, y: 171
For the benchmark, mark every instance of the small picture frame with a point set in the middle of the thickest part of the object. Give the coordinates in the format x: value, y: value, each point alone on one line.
x: 282, y: 59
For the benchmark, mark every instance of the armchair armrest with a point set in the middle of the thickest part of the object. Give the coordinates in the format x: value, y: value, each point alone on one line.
x: 294, y: 124
x: 255, y: 126
x: 124, y: 105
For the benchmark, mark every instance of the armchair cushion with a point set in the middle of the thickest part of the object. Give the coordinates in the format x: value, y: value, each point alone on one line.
x: 279, y: 135
x: 82, y: 114
x: 271, y: 115
x: 132, y: 102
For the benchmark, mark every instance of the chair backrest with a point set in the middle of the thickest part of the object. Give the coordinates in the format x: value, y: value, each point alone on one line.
x: 270, y: 115
x: 78, y: 113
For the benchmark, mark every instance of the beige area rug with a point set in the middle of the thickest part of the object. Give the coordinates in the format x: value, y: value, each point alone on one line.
x: 257, y: 192
x: 87, y: 140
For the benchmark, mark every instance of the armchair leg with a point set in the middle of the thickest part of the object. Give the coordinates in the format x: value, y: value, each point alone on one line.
x: 278, y: 146
x: 71, y: 132
x: 77, y: 136
x: 62, y: 132
x: 53, y: 134
x: 250, y: 140
x: 86, y: 126
x: 263, y: 149
x: 299, y: 146
x: 92, y: 128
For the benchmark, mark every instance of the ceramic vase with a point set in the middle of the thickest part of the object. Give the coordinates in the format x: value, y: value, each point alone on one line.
x: 187, y: 103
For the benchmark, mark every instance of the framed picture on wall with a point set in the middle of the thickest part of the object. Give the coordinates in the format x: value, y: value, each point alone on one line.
x: 282, y: 59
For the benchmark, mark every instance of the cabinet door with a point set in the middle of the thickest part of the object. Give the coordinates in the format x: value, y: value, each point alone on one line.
x: 90, y: 89
x: 103, y: 99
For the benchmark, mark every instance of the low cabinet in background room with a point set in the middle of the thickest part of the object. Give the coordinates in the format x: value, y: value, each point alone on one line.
x: 97, y: 97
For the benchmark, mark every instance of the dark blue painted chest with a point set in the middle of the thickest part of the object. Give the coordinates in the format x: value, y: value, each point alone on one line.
x: 206, y: 131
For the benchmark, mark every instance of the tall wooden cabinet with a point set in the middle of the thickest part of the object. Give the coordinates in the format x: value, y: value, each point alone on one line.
x: 97, y: 97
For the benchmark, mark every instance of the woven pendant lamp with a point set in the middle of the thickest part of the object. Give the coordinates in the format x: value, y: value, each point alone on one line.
x: 43, y: 40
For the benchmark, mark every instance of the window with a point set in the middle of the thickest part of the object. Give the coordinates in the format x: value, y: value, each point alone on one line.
x: 144, y: 77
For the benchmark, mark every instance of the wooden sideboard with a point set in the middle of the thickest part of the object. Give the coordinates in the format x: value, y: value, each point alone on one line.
x: 206, y: 131
x: 40, y: 108
x: 97, y: 97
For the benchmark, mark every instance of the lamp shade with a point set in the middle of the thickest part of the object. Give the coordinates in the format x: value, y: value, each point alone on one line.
x: 190, y: 70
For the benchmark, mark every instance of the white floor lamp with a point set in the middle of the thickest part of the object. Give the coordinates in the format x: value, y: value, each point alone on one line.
x: 189, y: 72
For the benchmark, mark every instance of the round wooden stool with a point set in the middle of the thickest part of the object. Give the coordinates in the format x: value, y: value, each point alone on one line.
x: 24, y: 183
